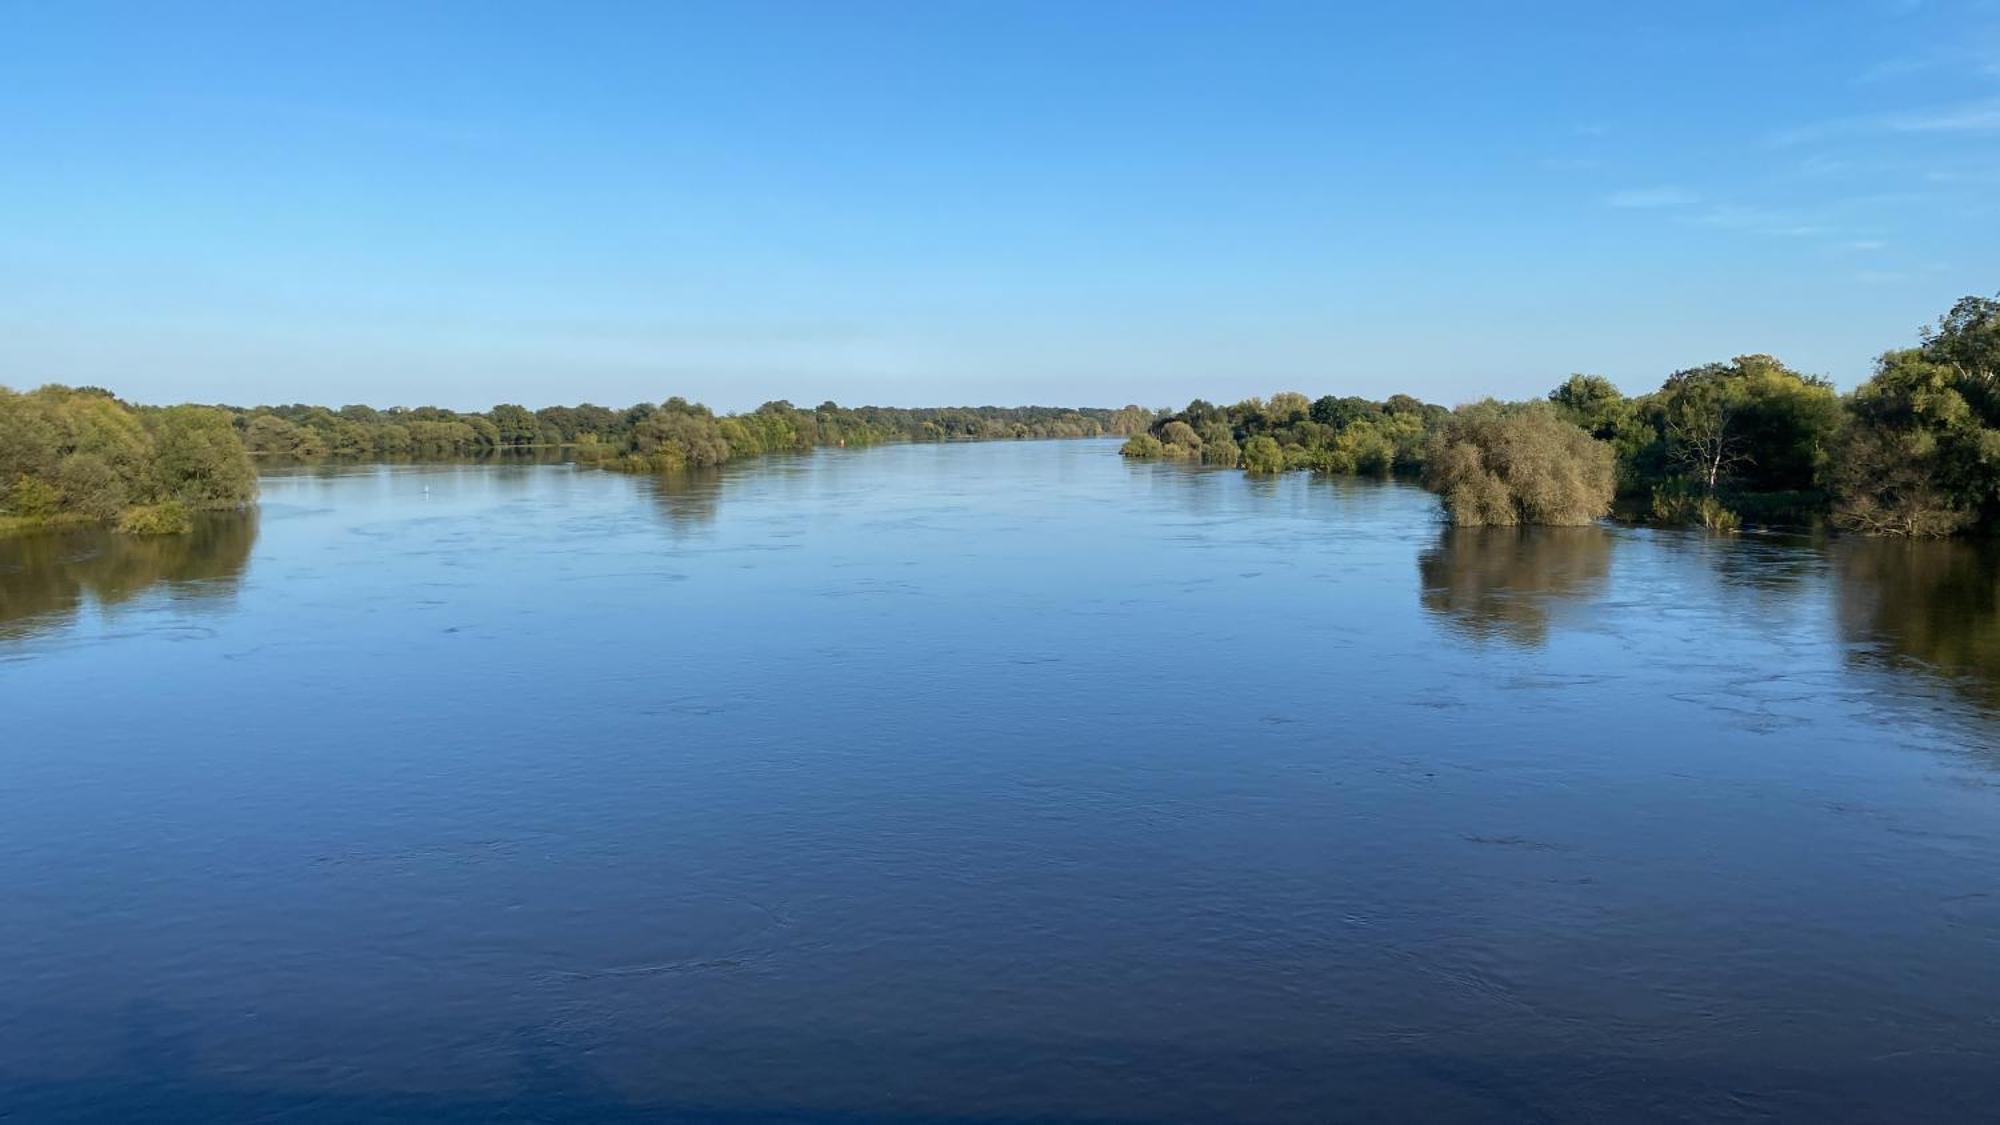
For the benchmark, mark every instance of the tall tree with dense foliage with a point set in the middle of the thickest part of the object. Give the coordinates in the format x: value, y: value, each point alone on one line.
x: 1967, y: 339
x: 1753, y: 423
x: 198, y: 460
x: 515, y: 425
x: 1921, y: 453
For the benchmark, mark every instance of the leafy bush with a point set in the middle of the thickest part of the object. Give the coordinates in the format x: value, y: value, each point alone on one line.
x: 1221, y: 452
x: 1262, y: 454
x: 1499, y: 465
x: 1142, y: 447
x: 1180, y: 434
x: 169, y: 517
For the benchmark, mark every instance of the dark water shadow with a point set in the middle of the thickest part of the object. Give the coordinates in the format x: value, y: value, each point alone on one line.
x: 785, y: 1075
x: 343, y: 464
x: 1504, y: 583
x: 1931, y: 607
x: 46, y: 579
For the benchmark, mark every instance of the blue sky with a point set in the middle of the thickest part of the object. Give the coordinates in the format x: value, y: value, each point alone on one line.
x: 938, y: 202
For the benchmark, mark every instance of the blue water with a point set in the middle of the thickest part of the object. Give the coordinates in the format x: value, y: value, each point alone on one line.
x: 988, y: 782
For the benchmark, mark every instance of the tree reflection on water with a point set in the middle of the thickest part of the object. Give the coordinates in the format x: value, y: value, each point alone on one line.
x: 46, y: 579
x: 1931, y: 605
x: 1504, y: 583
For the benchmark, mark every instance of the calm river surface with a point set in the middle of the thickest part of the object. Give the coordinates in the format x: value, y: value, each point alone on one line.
x: 988, y: 782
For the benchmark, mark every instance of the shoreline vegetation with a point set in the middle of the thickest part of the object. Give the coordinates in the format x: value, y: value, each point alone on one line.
x: 1914, y: 451
x: 81, y: 455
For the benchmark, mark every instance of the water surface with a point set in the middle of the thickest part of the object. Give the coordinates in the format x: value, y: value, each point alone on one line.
x: 988, y: 782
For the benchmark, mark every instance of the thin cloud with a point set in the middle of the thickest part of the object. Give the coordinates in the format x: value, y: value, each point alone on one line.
x: 1899, y: 68
x: 1967, y: 117
x: 1976, y: 52
x: 1825, y: 166
x: 1758, y: 220
x: 1653, y: 197
x: 1978, y: 177
x: 1970, y: 118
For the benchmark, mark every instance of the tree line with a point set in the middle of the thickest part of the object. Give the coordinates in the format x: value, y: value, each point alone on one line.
x: 81, y: 454
x: 647, y: 436
x: 1914, y: 451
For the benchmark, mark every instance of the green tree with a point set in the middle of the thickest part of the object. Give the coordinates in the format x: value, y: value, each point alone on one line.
x: 1593, y: 403
x: 268, y: 433
x: 1127, y: 420
x: 1916, y: 458
x: 514, y: 425
x: 198, y: 460
x: 1287, y: 408
x: 1967, y: 340
x: 1752, y: 423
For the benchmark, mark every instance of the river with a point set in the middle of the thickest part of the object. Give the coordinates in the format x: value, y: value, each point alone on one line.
x: 988, y: 782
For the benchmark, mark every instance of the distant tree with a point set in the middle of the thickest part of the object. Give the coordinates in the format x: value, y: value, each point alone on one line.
x: 514, y: 425
x: 1179, y: 439
x: 1263, y: 454
x: 1201, y: 413
x: 593, y: 419
x: 268, y: 433
x: 1339, y: 413
x: 1130, y: 420
x: 1594, y: 403
x: 1223, y: 452
x: 1286, y: 408
x: 198, y: 460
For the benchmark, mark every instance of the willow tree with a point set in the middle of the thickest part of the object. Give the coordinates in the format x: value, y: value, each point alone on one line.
x: 1493, y: 464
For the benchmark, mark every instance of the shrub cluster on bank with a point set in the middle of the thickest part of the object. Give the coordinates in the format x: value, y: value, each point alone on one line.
x: 1914, y: 451
x: 79, y: 454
